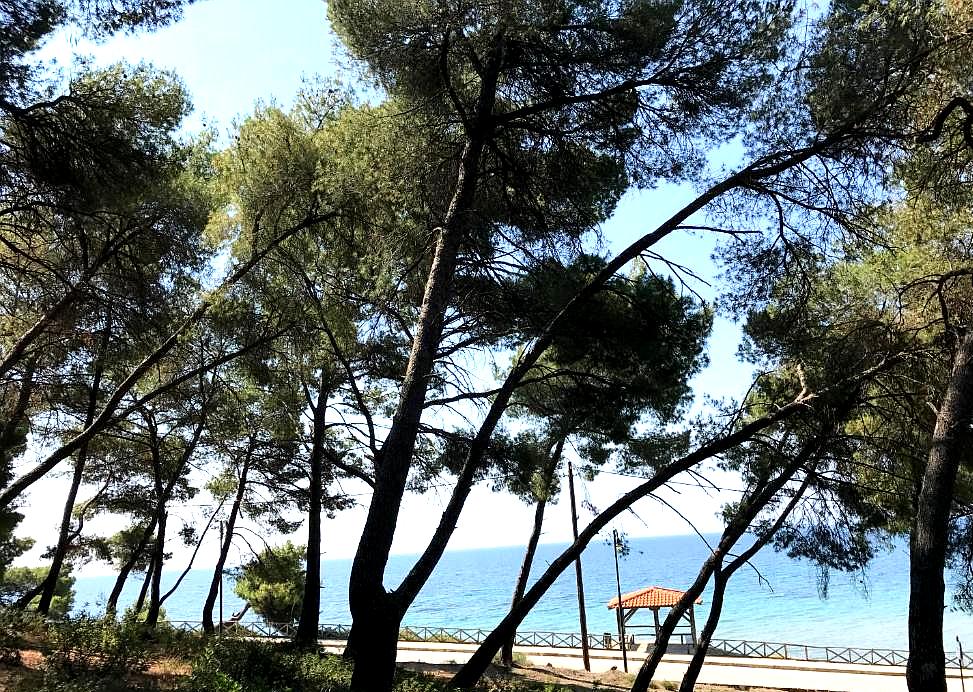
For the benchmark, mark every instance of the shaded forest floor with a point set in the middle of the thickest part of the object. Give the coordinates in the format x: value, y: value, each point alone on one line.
x: 577, y: 680
x: 168, y: 673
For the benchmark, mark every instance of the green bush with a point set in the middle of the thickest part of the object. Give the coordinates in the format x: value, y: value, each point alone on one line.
x: 89, y: 653
x: 241, y: 665
x: 15, y: 625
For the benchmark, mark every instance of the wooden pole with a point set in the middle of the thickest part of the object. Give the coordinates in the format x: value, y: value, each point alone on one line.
x: 577, y: 570
x: 621, y: 618
x: 692, y: 623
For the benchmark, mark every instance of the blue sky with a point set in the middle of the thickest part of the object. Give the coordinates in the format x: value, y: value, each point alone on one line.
x: 232, y: 54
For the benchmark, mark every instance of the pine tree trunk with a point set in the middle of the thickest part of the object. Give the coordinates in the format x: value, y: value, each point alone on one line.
x: 111, y: 605
x: 371, y: 608
x: 507, y: 653
x: 155, y: 604
x: 63, y: 538
x: 926, y: 668
x: 375, y: 664
x: 644, y: 677
x: 307, y: 629
x: 473, y: 669
x: 8, y: 429
x: 706, y: 636
x: 143, y: 592
x: 214, y: 585
x: 748, y: 509
x: 722, y: 577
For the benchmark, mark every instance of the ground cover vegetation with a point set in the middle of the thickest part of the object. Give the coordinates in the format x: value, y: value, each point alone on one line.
x: 413, y: 289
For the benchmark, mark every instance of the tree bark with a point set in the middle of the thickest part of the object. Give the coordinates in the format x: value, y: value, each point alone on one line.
x: 926, y: 667
x: 19, y: 412
x: 688, y: 683
x: 307, y: 628
x: 722, y: 577
x: 579, y: 575
x: 507, y: 653
x: 372, y: 607
x: 155, y: 603
x: 111, y: 605
x: 214, y: 585
x: 473, y: 670
x: 63, y: 539
x: 143, y: 592
x: 749, y: 508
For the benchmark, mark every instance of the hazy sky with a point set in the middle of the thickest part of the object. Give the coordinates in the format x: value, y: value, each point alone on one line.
x: 233, y: 53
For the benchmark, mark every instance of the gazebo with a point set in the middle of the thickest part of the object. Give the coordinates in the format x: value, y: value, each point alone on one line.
x: 654, y: 598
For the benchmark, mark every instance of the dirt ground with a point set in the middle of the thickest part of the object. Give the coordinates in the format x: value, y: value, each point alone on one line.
x: 577, y: 680
x: 168, y: 672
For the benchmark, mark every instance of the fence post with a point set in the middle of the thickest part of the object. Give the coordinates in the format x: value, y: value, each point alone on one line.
x: 962, y: 679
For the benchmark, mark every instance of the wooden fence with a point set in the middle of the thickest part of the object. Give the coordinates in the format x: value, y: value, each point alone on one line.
x: 605, y: 642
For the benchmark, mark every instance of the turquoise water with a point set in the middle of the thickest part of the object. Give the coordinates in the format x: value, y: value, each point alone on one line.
x: 472, y: 589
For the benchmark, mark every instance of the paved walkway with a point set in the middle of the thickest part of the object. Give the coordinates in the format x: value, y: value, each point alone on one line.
x: 718, y: 670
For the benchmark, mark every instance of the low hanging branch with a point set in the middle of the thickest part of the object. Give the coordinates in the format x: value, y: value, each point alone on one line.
x: 750, y: 508
x: 470, y: 673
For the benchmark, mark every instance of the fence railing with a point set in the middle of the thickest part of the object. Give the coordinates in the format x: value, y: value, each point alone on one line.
x: 606, y: 642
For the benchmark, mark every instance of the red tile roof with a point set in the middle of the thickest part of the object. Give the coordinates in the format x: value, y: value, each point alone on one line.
x: 650, y: 597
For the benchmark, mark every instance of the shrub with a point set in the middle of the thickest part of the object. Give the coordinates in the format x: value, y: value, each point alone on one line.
x: 89, y: 653
x: 273, y: 583
x: 15, y: 625
x: 241, y: 665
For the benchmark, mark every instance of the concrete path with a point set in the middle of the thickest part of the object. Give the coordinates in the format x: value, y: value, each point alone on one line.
x: 718, y: 670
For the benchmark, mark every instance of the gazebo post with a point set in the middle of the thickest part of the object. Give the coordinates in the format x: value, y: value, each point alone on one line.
x: 692, y: 623
x: 655, y: 615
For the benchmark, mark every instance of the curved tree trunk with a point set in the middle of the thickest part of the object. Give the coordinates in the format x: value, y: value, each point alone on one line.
x: 474, y: 668
x: 376, y: 613
x: 155, y: 603
x: 307, y: 628
x: 747, y: 511
x: 192, y: 559
x: 507, y: 652
x: 688, y: 683
x: 720, y: 579
x: 926, y: 668
x: 111, y: 605
x: 214, y: 585
x: 143, y: 592
x: 19, y: 413
x: 64, y: 538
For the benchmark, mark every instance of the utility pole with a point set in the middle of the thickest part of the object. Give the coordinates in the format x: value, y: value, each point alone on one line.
x: 618, y: 610
x: 577, y: 571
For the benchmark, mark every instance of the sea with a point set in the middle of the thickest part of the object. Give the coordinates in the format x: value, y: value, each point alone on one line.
x: 777, y: 599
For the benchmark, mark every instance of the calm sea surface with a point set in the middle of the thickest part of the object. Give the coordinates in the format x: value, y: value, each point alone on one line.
x: 472, y: 589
